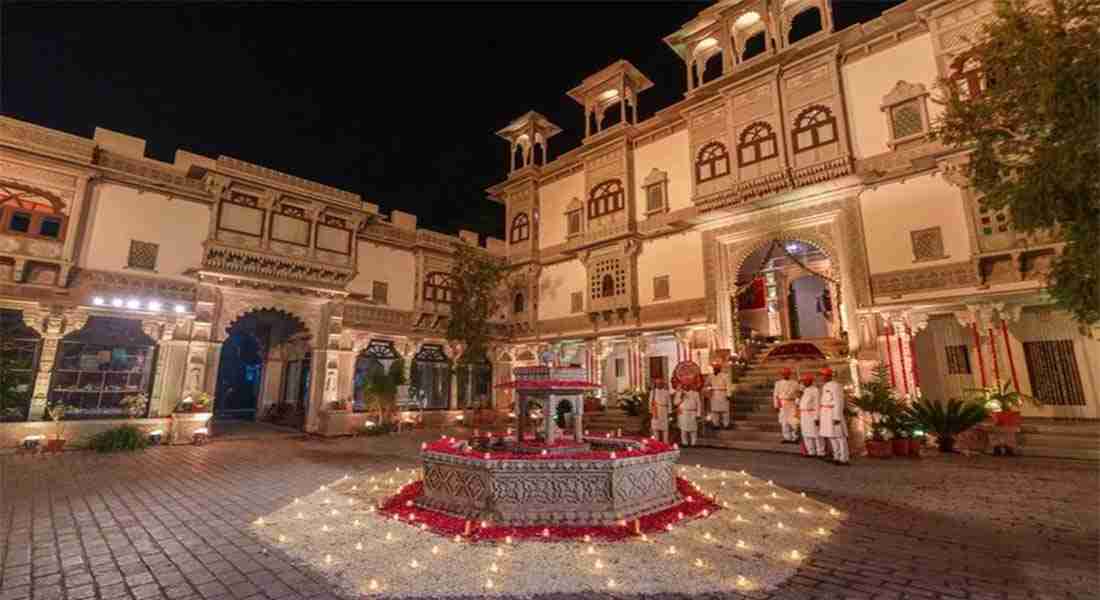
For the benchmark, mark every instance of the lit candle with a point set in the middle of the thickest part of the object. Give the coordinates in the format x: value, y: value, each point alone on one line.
x: 500, y: 552
x: 587, y: 538
x: 493, y: 567
x: 591, y: 549
x: 457, y: 538
x: 359, y: 546
x: 545, y: 532
x: 489, y: 584
x: 821, y: 531
x: 599, y: 564
x: 741, y: 544
x: 324, y: 528
x: 323, y: 488
x: 334, y: 512
x: 672, y: 549
x: 297, y: 501
x: 282, y: 538
x: 833, y: 512
x: 260, y: 521
x: 435, y: 549
x: 507, y: 539
x: 611, y: 583
x: 739, y: 519
x: 795, y: 555
x: 414, y: 564
x: 373, y: 584
x: 707, y: 536
x: 699, y: 562
x: 356, y: 523
x: 741, y: 581
x: 328, y: 559
x: 389, y: 536
x: 780, y: 525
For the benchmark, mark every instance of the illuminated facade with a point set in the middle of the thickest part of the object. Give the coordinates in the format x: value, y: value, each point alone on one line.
x: 792, y: 193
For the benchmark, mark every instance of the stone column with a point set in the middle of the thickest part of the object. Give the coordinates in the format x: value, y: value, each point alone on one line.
x: 163, y: 331
x: 52, y: 324
x: 274, y: 371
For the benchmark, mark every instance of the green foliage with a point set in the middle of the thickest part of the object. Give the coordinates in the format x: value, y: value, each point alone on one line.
x: 1035, y: 134
x: 380, y: 390
x: 479, y: 281
x: 1000, y: 396
x: 124, y: 437
x: 946, y: 420
x: 15, y: 379
x: 877, y: 400
x: 563, y: 407
x: 397, y: 372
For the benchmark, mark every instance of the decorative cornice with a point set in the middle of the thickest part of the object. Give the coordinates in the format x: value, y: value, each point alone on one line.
x: 289, y: 182
x: 107, y: 282
x: 23, y: 136
x: 928, y: 279
x: 376, y: 318
x: 146, y: 172
x: 252, y: 264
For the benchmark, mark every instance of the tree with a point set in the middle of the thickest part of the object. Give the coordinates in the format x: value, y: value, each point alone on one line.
x: 480, y: 282
x: 1034, y: 133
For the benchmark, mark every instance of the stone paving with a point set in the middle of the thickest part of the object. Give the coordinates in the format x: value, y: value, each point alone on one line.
x: 174, y: 522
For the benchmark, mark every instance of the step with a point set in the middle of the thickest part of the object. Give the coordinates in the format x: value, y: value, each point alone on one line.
x: 1087, y: 430
x: 1091, y: 454
x: 751, y: 445
x: 1059, y: 440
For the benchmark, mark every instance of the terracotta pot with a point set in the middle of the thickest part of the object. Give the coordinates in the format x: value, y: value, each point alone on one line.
x: 55, y: 445
x: 915, y: 444
x: 1007, y: 418
x: 900, y: 446
x: 879, y: 449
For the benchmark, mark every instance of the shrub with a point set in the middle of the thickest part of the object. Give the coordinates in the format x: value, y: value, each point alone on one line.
x: 947, y: 420
x: 373, y: 429
x: 123, y: 437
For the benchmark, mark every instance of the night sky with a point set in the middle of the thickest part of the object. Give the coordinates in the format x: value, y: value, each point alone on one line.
x: 398, y: 102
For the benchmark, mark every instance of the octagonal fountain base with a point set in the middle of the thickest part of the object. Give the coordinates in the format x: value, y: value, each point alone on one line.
x: 619, y: 479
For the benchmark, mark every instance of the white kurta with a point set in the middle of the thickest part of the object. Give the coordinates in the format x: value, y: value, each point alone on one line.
x: 658, y: 409
x: 689, y: 411
x: 783, y: 397
x: 719, y: 385
x: 808, y: 404
x: 832, y: 409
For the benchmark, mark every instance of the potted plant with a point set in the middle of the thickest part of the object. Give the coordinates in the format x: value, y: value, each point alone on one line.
x: 56, y: 413
x: 895, y: 423
x: 916, y: 440
x: 1003, y: 402
x: 948, y: 420
x: 631, y: 401
x: 877, y: 402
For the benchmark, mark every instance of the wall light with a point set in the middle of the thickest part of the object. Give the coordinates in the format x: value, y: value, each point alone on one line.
x: 154, y: 305
x: 98, y: 301
x: 179, y: 308
x: 117, y: 302
x: 133, y: 303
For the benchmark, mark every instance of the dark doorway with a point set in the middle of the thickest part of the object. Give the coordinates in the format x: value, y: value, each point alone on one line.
x: 239, y: 390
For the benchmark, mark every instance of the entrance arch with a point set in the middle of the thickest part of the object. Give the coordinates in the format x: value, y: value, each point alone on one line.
x: 252, y: 380
x: 785, y: 288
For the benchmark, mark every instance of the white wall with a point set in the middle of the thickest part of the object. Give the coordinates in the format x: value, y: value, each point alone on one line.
x: 672, y: 155
x: 553, y: 199
x: 556, y: 287
x: 679, y: 256
x: 118, y: 214
x: 868, y: 79
x: 396, y: 267
x: 925, y: 201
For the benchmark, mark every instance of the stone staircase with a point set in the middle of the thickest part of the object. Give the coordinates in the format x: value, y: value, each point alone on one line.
x: 1055, y: 438
x: 612, y: 419
x: 755, y: 423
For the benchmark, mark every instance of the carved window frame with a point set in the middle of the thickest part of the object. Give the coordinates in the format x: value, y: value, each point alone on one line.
x: 655, y: 185
x: 13, y: 202
x: 439, y: 288
x: 710, y: 157
x: 519, y: 303
x: 576, y: 302
x: 969, y: 82
x: 905, y: 96
x: 814, y: 119
x: 915, y: 238
x: 754, y: 136
x: 521, y: 228
x: 662, y: 282
x: 384, y: 297
x: 606, y: 198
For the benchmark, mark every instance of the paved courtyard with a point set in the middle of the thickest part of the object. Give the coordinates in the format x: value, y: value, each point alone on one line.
x: 175, y: 522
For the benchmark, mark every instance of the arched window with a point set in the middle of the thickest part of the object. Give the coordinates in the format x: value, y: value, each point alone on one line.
x: 815, y: 126
x: 805, y: 24
x: 755, y: 45
x: 757, y: 143
x: 521, y: 228
x: 607, y: 286
x: 31, y: 212
x: 519, y: 304
x: 439, y: 287
x: 713, y: 162
x: 606, y: 198
x: 967, y: 75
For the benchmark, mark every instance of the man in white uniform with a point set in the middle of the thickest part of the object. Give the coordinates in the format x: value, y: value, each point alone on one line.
x: 687, y: 411
x: 834, y: 424
x: 718, y: 385
x: 783, y: 398
x: 807, y: 409
x: 658, y: 409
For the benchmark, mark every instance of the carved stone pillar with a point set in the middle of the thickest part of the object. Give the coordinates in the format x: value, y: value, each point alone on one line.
x: 454, y: 352
x: 52, y: 324
x: 169, y: 365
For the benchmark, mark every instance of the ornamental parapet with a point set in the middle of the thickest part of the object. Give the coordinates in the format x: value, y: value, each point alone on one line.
x: 822, y: 172
x: 376, y: 317
x: 388, y: 234
x: 600, y: 235
x: 775, y: 183
x: 236, y: 261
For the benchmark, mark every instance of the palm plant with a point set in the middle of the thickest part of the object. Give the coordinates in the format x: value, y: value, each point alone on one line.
x: 946, y: 420
x: 1000, y: 397
x: 877, y: 401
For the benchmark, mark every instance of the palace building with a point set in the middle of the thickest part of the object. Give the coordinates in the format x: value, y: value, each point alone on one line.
x: 792, y: 194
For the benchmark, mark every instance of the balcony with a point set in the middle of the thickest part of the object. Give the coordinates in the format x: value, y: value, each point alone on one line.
x: 600, y: 235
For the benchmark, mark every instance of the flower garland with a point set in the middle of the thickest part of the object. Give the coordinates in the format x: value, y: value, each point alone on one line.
x: 402, y: 507
x: 543, y: 384
x: 454, y: 447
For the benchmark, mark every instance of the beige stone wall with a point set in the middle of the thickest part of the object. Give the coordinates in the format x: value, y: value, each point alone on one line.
x: 868, y: 80
x: 76, y: 433
x: 553, y: 200
x: 669, y: 154
x: 556, y: 287
x: 118, y: 214
x: 680, y: 257
x: 892, y: 211
x: 394, y: 266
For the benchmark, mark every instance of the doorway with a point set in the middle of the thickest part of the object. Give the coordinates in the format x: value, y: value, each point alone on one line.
x: 252, y: 375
